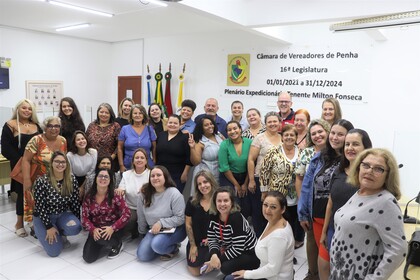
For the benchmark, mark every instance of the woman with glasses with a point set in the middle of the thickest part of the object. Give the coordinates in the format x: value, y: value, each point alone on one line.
x: 57, y: 206
x: 104, y: 214
x: 15, y: 135
x: 369, y: 240
x: 39, y: 151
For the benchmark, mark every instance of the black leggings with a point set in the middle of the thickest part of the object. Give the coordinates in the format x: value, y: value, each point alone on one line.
x: 18, y: 189
x: 92, y: 248
x: 247, y: 261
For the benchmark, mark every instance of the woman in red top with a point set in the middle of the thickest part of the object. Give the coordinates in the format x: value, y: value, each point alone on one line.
x: 104, y: 215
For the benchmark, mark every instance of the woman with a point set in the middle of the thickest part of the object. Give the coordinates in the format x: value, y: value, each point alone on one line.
x: 103, y: 133
x: 39, y: 151
x: 130, y: 186
x: 82, y: 157
x: 156, y: 118
x: 160, y: 206
x: 275, y: 246
x: 70, y: 120
x: 256, y: 127
x: 136, y: 135
x: 104, y: 215
x: 124, y: 111
x: 197, y: 220
x: 57, y: 206
x: 103, y: 162
x: 316, y: 189
x: 356, y: 141
x: 318, y: 131
x: 369, y: 240
x: 204, y: 147
x: 302, y: 119
x: 231, y: 239
x: 173, y: 152
x: 259, y: 147
x: 277, y: 172
x: 237, y: 109
x: 331, y: 110
x: 233, y: 157
x: 15, y: 135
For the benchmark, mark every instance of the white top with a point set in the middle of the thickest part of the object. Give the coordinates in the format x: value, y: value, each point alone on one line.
x: 275, y: 252
x: 132, y: 182
x: 83, y: 165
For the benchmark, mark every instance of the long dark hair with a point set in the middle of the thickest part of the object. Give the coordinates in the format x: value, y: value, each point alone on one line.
x: 199, y: 131
x: 329, y: 155
x: 108, y: 156
x: 94, y: 189
x: 73, y: 147
x: 74, y: 121
x: 148, y: 190
x: 367, y: 144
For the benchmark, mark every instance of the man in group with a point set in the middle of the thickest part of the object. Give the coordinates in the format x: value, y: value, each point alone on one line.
x: 187, y: 111
x: 284, y: 103
x: 210, y: 108
x: 237, y: 109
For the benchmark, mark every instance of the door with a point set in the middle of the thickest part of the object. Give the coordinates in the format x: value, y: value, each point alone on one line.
x: 129, y: 86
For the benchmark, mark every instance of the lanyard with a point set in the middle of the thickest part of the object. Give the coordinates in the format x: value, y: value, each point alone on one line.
x: 220, y: 228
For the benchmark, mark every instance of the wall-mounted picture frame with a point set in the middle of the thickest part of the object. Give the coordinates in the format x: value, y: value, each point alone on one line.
x: 46, y: 95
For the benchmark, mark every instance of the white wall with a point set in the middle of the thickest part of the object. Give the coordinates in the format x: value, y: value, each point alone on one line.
x: 82, y: 65
x: 389, y: 117
x: 89, y: 70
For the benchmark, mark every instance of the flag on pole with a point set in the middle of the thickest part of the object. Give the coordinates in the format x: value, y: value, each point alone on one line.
x: 168, y: 101
x: 158, y: 92
x: 149, y: 93
x: 180, y: 89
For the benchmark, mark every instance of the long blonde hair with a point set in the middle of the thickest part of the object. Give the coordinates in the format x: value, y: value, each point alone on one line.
x: 67, y: 187
x: 15, y: 116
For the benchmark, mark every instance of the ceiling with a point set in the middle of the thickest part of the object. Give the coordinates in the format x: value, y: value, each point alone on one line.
x: 134, y: 19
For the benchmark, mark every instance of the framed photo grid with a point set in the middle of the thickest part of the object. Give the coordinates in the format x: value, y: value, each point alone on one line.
x: 46, y: 95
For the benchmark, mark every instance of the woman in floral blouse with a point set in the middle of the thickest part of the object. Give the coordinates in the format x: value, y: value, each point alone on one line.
x: 57, y: 207
x: 103, y: 133
x: 104, y: 215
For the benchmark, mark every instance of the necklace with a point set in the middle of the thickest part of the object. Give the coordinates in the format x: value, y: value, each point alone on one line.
x: 26, y: 124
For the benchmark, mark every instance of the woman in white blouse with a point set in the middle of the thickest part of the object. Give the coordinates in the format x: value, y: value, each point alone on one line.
x: 130, y: 186
x: 82, y: 157
x: 275, y: 247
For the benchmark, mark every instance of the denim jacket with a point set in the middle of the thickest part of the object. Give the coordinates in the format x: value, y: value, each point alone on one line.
x: 307, y: 193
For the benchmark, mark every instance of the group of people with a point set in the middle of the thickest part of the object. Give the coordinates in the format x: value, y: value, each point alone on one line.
x: 258, y: 187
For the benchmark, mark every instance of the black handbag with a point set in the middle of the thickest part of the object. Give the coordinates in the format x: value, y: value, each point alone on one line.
x: 413, y: 256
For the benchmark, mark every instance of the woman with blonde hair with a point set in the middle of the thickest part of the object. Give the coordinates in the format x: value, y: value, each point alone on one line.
x: 369, y: 240
x: 331, y: 110
x: 57, y: 206
x: 15, y: 135
x: 124, y: 110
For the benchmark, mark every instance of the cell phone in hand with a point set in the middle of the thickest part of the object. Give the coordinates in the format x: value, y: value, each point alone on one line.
x: 203, y: 269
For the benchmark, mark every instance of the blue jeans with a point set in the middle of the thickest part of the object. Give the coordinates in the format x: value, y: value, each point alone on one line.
x: 60, y: 222
x: 153, y: 245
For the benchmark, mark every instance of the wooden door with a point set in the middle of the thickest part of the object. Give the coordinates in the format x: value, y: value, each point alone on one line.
x: 129, y: 86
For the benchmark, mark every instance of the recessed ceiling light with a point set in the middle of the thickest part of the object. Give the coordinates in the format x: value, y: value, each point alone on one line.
x: 77, y: 26
x: 69, y: 6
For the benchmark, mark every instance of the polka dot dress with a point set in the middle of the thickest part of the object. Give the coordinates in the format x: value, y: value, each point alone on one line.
x: 369, y: 240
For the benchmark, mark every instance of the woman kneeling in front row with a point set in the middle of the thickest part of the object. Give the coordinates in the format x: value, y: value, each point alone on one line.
x: 57, y: 207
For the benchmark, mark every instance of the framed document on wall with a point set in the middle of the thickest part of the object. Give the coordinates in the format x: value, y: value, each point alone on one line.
x: 46, y: 95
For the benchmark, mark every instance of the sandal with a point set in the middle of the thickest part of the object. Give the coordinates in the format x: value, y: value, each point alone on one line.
x: 21, y: 232
x: 168, y: 257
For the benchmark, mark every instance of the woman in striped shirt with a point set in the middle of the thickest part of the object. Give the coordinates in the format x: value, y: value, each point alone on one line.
x: 231, y: 240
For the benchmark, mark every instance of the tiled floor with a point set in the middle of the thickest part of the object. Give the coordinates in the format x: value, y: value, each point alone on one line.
x: 24, y: 258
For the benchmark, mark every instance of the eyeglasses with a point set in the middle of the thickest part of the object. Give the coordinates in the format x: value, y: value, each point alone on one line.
x: 60, y: 162
x: 105, y: 177
x: 53, y: 126
x: 283, y: 102
x: 377, y: 170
